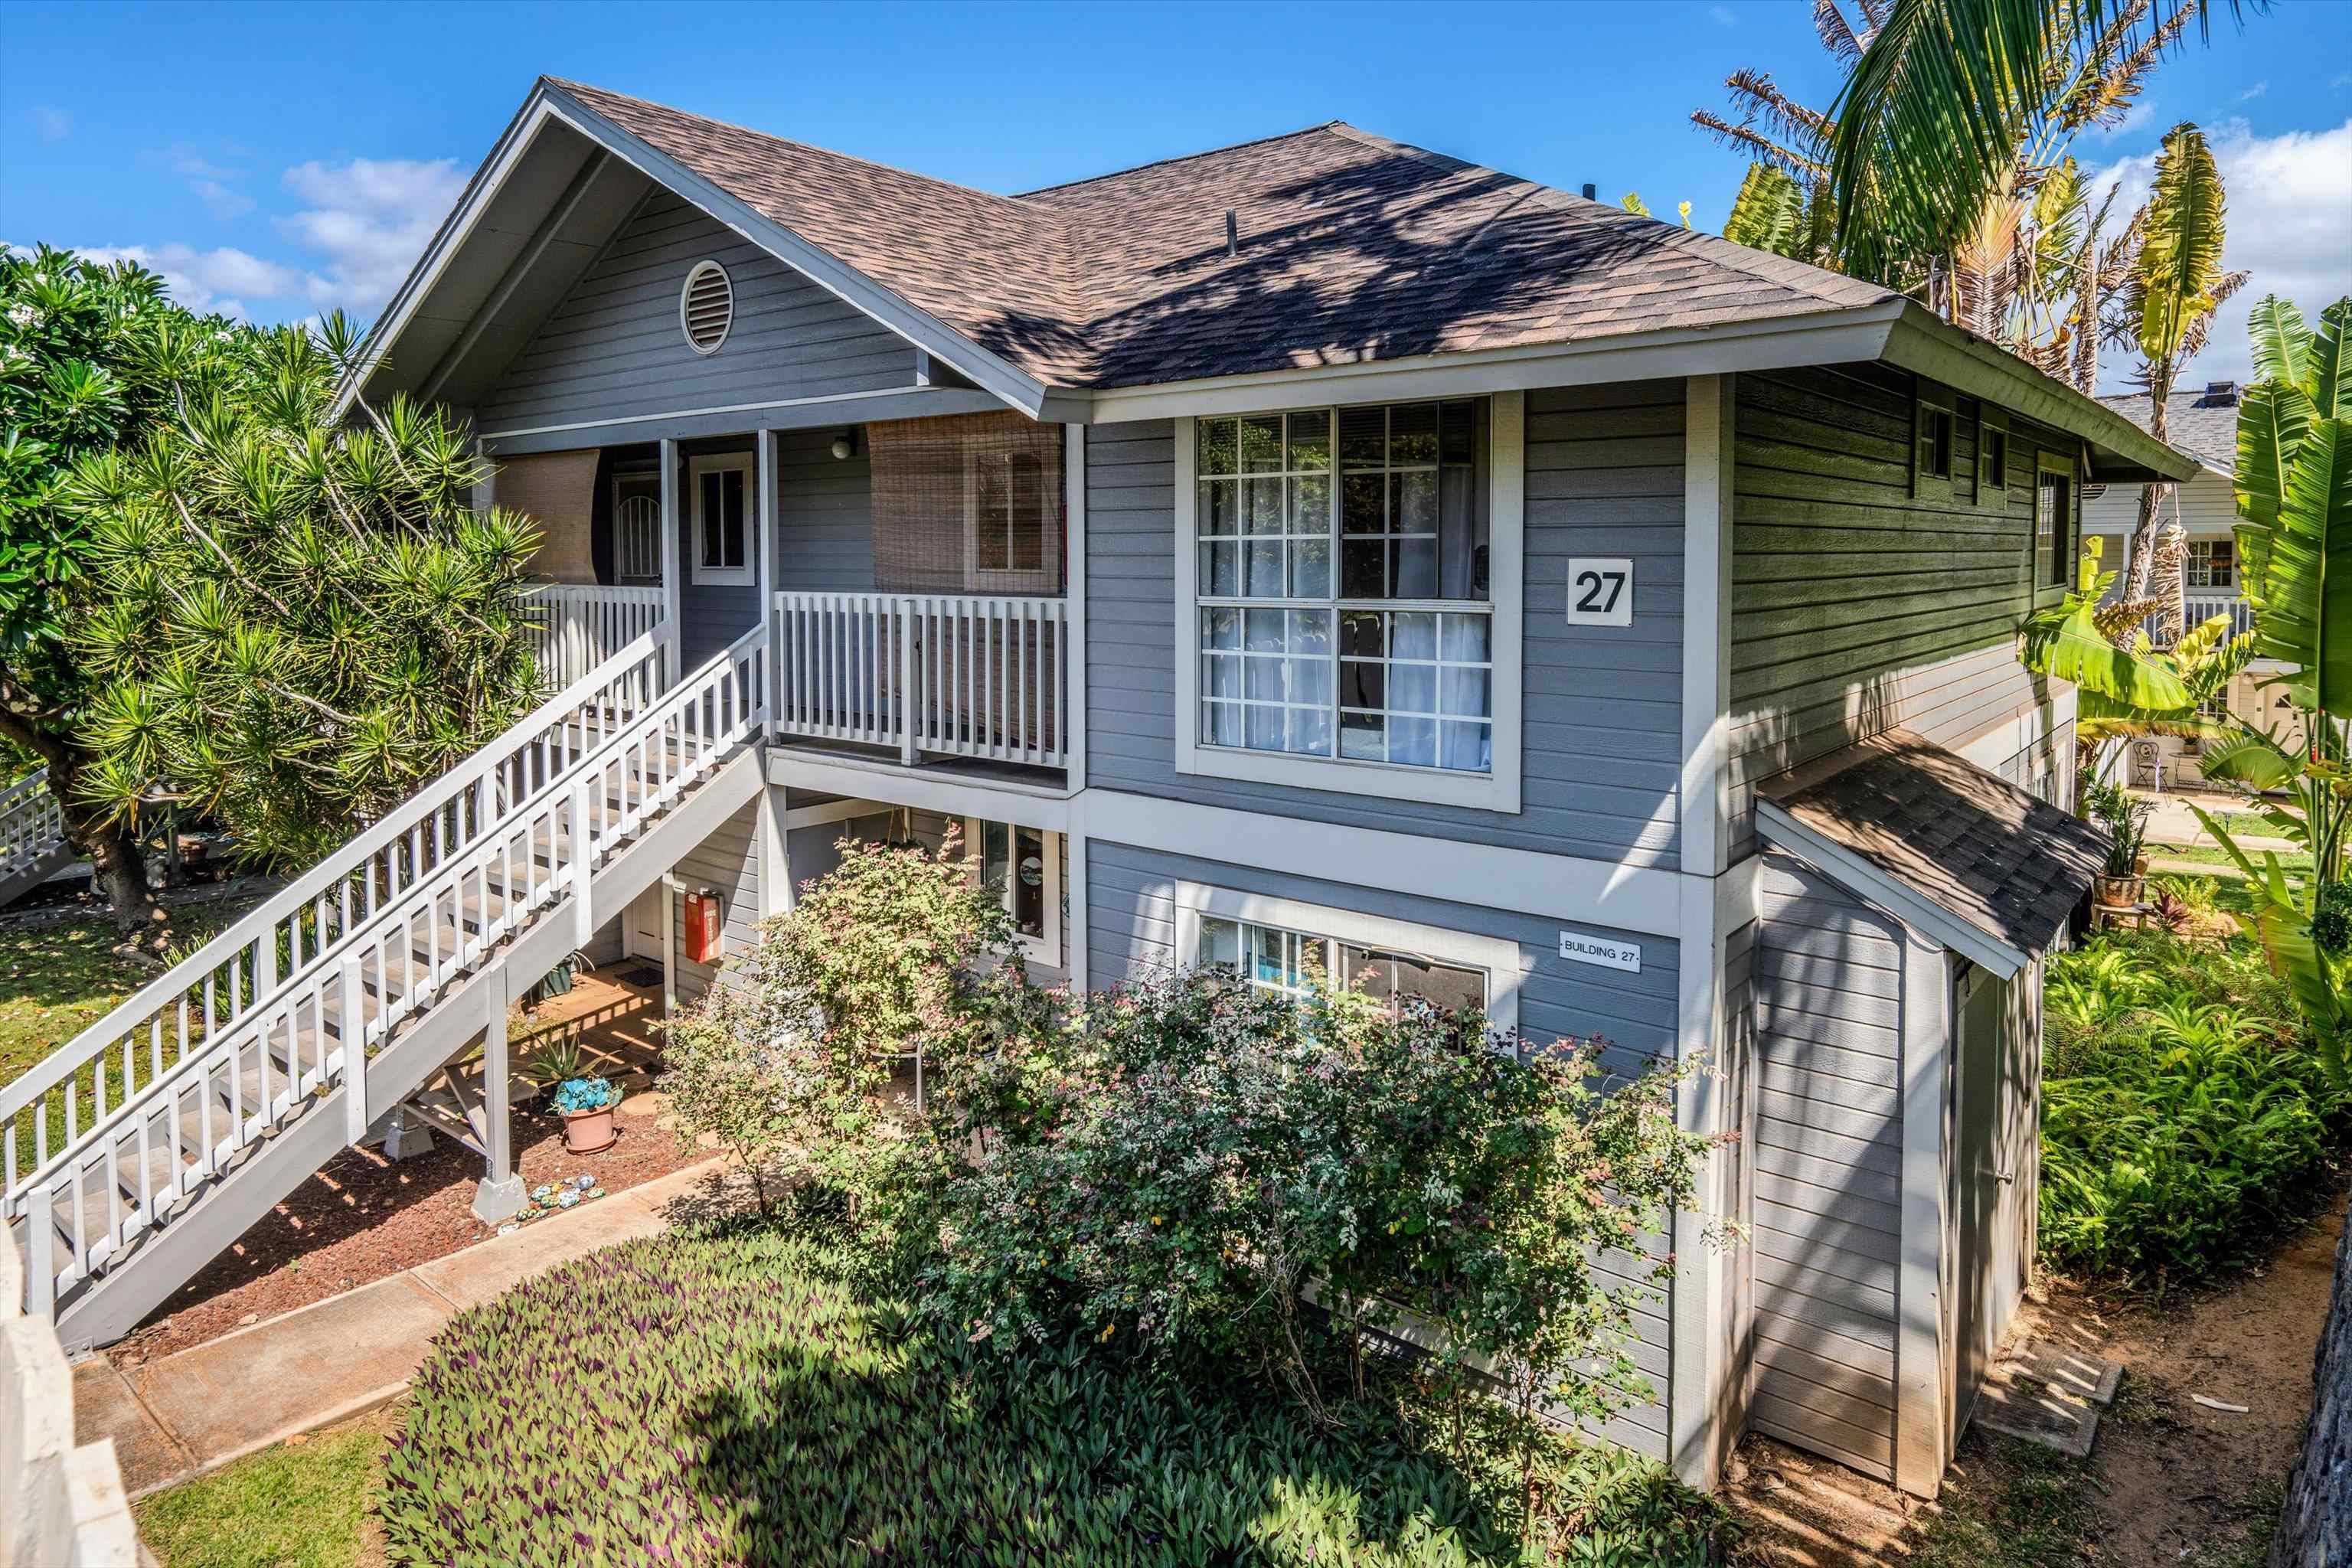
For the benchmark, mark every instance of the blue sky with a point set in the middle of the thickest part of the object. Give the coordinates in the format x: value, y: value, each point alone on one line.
x: 277, y: 159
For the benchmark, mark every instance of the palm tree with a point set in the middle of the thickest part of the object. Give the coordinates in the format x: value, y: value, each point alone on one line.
x: 1946, y: 96
x: 2175, y: 286
x: 2031, y: 265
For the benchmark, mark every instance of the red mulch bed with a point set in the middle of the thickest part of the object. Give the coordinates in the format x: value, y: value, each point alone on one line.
x: 362, y: 1217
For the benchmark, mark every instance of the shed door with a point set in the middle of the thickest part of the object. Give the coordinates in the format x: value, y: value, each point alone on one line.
x: 1984, y: 1259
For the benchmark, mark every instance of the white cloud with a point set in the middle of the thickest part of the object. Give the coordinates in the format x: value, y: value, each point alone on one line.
x: 51, y: 124
x: 1725, y: 17
x: 222, y: 202
x: 2256, y: 90
x: 2289, y: 224
x: 368, y: 219
x: 222, y: 279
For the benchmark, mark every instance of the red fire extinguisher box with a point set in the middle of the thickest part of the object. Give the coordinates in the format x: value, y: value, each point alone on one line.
x: 703, y: 923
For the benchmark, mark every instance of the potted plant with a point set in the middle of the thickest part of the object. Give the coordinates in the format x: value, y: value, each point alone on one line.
x: 558, y: 980
x: 584, y: 1098
x: 2125, y: 816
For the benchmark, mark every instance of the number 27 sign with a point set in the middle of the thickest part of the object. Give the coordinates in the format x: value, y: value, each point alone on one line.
x: 1600, y: 591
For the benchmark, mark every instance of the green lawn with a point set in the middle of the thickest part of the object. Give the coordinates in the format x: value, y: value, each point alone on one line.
x: 2214, y: 855
x: 61, y: 979
x: 302, y: 1506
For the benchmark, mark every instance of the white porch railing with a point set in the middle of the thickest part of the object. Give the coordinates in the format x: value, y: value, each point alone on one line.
x: 581, y: 625
x: 2204, y: 607
x: 30, y: 823
x: 953, y: 674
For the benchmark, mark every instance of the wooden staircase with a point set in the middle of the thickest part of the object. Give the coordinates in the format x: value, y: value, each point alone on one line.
x: 158, y: 1135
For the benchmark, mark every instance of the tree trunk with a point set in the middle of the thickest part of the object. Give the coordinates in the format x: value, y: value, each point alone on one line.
x: 118, y: 864
x: 2315, y: 1526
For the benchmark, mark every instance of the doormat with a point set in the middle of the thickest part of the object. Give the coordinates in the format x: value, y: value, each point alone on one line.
x: 647, y: 977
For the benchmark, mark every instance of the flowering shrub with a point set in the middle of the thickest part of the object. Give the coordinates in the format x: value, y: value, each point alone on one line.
x: 788, y: 1061
x: 1195, y: 1160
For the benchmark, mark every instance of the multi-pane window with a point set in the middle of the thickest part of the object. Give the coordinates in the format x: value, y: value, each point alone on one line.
x: 1993, y: 466
x: 1343, y: 584
x: 1023, y: 867
x: 1291, y: 963
x: 722, y: 520
x: 2212, y: 564
x: 2052, y: 529
x: 1936, y: 443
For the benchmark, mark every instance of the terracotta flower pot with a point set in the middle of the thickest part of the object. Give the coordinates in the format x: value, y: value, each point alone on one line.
x: 589, y: 1131
x: 2119, y: 892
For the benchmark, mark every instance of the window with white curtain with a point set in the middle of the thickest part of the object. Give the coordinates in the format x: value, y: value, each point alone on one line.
x: 1343, y: 601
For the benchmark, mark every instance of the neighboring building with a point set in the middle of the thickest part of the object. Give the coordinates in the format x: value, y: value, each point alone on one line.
x: 2204, y: 425
x: 1313, y: 544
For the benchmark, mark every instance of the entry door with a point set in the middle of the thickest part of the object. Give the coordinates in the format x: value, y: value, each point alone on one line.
x: 1983, y: 1259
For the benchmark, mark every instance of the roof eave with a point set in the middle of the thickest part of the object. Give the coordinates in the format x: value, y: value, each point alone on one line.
x: 2122, y: 452
x: 1862, y: 877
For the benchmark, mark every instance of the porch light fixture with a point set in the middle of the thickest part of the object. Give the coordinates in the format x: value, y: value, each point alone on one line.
x: 844, y: 445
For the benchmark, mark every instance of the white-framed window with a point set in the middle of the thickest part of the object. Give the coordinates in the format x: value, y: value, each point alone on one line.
x: 1287, y: 947
x: 2211, y: 563
x: 1024, y: 864
x: 2054, y: 521
x: 636, y: 527
x: 1933, y: 426
x: 1008, y: 518
x: 1348, y: 590
x: 721, y: 487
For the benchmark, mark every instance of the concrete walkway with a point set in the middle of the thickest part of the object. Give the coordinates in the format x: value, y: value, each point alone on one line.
x: 203, y: 1406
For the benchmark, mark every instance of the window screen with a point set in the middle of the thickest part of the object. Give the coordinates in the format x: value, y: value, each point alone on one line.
x: 968, y: 504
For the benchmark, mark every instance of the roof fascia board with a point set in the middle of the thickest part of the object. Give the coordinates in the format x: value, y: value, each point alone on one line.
x: 1860, y: 877
x: 727, y: 419
x: 821, y: 267
x: 505, y: 153
x: 1931, y: 347
x: 1826, y: 337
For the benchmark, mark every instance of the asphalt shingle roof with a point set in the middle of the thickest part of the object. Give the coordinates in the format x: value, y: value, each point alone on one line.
x: 1352, y: 247
x: 2005, y: 861
x: 2202, y: 422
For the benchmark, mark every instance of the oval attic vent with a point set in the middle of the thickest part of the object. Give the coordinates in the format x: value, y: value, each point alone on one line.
x: 706, y: 306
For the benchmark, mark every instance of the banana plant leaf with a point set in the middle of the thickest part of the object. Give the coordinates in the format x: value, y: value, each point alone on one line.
x: 2306, y: 619
x: 2065, y: 645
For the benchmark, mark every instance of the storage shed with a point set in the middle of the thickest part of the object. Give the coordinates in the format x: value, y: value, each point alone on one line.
x: 1905, y: 904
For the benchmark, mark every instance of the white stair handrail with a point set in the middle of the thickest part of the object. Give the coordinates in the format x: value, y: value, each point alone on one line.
x: 662, y: 749
x: 237, y: 971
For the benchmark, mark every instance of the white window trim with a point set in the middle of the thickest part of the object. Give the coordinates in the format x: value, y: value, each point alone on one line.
x: 2070, y: 527
x: 1497, y: 791
x: 1012, y: 579
x: 1044, y: 949
x: 1928, y: 397
x: 742, y: 577
x: 1499, y: 957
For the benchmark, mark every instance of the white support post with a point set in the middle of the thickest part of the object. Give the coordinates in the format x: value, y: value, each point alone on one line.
x: 1922, y: 1420
x: 583, y: 860
x: 668, y: 886
x: 1707, y: 456
x: 1073, y: 636
x: 673, y: 524
x: 1074, y: 889
x: 1700, y: 1394
x: 40, y: 1254
x: 776, y: 892
x: 771, y: 515
x: 355, y: 1098
x: 499, y: 1196
x: 910, y: 701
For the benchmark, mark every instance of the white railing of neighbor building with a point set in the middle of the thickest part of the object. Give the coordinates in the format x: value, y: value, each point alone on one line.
x: 31, y: 826
x: 950, y: 674
x: 2200, y: 608
x: 581, y: 625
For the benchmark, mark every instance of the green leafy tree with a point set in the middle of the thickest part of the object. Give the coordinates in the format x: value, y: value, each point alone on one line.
x: 88, y: 356
x: 290, y: 621
x: 2176, y: 284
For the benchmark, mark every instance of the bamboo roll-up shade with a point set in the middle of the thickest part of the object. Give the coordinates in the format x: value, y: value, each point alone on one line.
x: 969, y: 503
x: 557, y: 489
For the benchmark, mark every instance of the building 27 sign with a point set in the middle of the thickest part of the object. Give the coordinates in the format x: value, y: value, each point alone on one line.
x: 1605, y: 950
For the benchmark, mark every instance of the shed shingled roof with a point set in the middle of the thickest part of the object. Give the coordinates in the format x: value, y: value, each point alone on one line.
x: 1352, y: 247
x: 2007, y: 862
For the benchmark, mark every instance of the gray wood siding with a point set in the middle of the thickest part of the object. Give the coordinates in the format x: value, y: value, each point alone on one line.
x: 1602, y: 714
x: 1131, y: 931
x: 1828, y: 1156
x: 614, y: 348
x: 825, y: 515
x: 729, y: 863
x: 1855, y: 606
